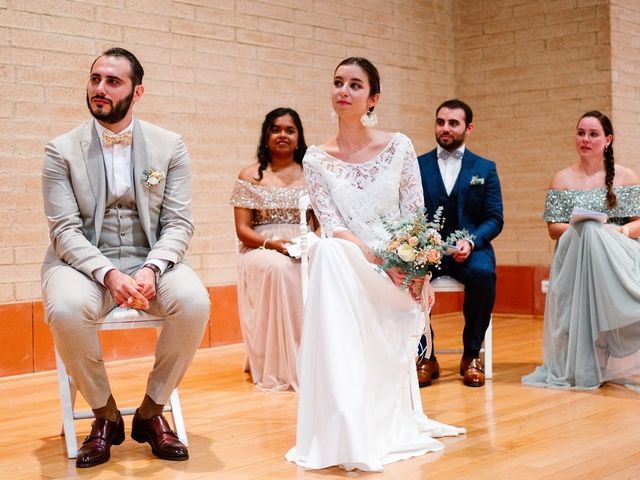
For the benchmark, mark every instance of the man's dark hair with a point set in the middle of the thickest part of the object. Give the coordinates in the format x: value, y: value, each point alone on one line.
x: 137, y: 72
x: 457, y: 103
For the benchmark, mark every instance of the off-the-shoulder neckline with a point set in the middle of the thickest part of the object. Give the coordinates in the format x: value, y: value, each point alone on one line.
x: 591, y: 189
x: 272, y: 187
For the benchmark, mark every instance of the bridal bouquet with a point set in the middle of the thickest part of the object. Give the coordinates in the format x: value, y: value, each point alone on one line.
x: 416, y: 246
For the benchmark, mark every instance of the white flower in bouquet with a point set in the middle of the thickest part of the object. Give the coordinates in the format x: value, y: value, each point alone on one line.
x: 406, y: 252
x: 415, y: 245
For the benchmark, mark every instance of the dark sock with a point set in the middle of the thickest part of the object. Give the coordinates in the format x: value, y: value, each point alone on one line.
x: 109, y: 411
x: 148, y: 408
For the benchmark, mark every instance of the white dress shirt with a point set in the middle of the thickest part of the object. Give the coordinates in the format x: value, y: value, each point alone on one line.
x: 449, y: 167
x: 449, y: 170
x: 117, y: 161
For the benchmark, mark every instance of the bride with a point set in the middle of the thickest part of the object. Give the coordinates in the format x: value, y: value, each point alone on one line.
x: 359, y: 405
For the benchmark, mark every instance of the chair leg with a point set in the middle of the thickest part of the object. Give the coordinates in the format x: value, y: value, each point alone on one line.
x: 488, y: 351
x: 66, y: 403
x: 246, y: 367
x: 178, y: 419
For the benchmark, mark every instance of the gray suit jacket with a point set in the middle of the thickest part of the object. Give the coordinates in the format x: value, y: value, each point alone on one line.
x: 74, y: 188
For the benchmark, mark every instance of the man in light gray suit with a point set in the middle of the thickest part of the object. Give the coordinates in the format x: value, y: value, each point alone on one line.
x: 117, y: 196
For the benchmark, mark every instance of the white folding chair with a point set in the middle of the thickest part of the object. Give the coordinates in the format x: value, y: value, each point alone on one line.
x: 303, y: 205
x: 116, y: 319
x: 449, y: 284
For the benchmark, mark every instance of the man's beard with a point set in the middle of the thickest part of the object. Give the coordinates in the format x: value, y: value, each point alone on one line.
x: 454, y: 145
x: 117, y: 112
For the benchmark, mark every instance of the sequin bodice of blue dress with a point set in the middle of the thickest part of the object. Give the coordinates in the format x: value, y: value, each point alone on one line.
x: 560, y: 203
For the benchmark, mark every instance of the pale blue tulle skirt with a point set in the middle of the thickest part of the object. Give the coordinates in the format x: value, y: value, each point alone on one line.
x: 592, y: 311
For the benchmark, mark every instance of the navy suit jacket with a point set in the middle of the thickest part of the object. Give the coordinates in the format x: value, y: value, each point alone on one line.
x: 479, y: 204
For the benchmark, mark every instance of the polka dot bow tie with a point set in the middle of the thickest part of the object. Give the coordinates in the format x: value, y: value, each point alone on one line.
x: 110, y: 139
x: 444, y: 154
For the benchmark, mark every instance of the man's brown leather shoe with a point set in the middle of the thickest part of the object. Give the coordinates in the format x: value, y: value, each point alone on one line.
x: 156, y: 431
x: 96, y: 448
x: 428, y: 370
x: 472, y: 370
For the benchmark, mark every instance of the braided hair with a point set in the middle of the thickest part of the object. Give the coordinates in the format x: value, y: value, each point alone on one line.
x: 263, y: 153
x: 609, y: 164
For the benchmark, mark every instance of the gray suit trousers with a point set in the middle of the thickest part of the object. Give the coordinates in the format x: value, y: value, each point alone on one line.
x: 74, y: 304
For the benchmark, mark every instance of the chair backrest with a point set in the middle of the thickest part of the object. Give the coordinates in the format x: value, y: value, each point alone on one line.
x: 303, y: 206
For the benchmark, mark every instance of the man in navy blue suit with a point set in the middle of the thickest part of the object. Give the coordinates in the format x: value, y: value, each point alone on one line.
x: 467, y: 187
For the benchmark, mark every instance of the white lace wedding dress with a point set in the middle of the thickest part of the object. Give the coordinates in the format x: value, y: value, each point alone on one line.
x: 359, y: 404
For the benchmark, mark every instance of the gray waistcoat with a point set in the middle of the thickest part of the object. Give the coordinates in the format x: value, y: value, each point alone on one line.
x: 122, y: 239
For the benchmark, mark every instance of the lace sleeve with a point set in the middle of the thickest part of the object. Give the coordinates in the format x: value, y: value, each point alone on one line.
x: 411, y: 195
x: 321, y: 201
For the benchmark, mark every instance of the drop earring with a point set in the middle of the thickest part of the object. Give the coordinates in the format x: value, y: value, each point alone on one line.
x: 369, y: 119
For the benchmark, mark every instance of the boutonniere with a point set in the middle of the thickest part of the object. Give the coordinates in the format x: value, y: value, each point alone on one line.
x: 151, y: 177
x: 475, y: 180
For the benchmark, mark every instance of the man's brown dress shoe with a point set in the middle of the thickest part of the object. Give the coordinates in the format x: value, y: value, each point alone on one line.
x: 96, y: 448
x: 472, y: 370
x: 428, y: 370
x: 156, y: 431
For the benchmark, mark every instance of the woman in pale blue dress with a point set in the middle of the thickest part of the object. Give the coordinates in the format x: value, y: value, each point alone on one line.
x: 592, y: 312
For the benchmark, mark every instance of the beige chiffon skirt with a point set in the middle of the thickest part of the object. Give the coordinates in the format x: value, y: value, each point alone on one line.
x: 270, y: 308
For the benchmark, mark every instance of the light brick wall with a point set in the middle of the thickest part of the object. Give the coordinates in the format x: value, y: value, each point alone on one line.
x: 625, y: 66
x: 529, y: 69
x: 213, y: 70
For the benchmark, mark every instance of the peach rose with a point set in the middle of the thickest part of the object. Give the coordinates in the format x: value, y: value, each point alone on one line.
x: 433, y: 256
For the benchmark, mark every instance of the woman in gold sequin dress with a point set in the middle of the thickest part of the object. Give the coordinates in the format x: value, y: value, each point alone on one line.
x: 592, y: 311
x: 265, y: 200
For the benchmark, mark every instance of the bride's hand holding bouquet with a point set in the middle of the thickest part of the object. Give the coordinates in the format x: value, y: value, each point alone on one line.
x: 413, y: 249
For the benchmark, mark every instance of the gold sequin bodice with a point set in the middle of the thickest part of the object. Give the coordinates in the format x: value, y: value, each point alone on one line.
x: 270, y: 204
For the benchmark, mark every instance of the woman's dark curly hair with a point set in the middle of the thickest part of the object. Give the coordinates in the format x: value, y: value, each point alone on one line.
x: 609, y: 164
x: 263, y: 154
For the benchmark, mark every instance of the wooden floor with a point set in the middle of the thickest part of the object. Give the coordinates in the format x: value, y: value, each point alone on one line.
x: 237, y: 432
